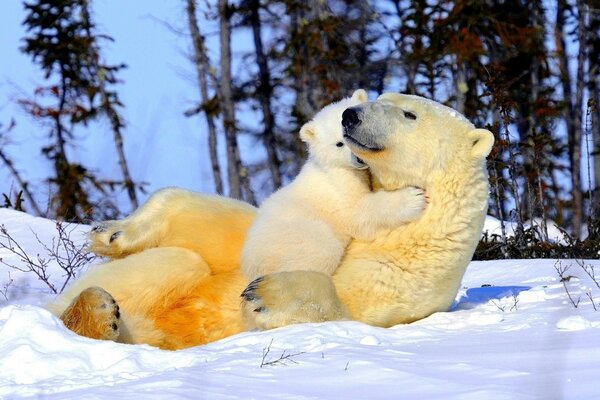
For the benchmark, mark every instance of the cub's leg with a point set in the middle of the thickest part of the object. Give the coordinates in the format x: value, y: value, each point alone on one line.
x: 94, y: 314
x: 292, y: 297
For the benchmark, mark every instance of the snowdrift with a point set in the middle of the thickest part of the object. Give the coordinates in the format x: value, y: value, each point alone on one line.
x: 513, y: 333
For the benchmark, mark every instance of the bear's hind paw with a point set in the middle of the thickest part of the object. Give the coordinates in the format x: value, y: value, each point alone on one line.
x: 94, y: 314
x: 107, y: 239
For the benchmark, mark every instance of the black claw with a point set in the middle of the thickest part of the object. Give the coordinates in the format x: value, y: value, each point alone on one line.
x: 118, y: 314
x: 114, y: 236
x: 115, y: 327
x: 248, y: 293
x: 259, y: 309
x: 99, y: 228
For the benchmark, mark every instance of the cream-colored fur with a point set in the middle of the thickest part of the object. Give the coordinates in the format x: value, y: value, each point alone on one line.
x: 174, y: 270
x: 415, y: 270
x: 308, y: 224
x: 176, y: 275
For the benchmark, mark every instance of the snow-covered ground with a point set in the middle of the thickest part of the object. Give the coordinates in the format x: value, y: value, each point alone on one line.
x: 513, y: 334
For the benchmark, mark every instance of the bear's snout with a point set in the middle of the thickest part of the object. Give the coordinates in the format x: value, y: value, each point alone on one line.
x: 350, y: 118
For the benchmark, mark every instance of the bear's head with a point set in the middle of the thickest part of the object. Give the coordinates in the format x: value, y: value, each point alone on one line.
x: 409, y: 140
x: 324, y: 134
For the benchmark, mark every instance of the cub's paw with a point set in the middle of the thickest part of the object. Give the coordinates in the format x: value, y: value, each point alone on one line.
x: 108, y: 238
x: 291, y: 297
x: 412, y: 202
x: 94, y: 314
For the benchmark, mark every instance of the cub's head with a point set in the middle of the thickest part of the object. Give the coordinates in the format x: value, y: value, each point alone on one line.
x: 324, y: 134
x: 407, y: 139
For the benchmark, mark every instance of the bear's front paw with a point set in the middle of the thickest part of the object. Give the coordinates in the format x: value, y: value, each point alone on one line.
x: 94, y: 314
x: 291, y: 297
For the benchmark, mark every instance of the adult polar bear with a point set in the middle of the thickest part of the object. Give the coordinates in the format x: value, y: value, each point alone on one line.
x: 176, y: 276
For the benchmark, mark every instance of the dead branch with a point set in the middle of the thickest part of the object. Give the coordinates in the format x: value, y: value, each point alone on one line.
x: 589, y: 270
x: 589, y: 295
x: 283, y: 359
x: 5, y: 286
x: 564, y: 279
x: 68, y: 255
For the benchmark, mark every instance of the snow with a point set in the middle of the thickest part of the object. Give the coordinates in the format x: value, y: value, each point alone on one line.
x: 512, y: 334
x: 493, y: 226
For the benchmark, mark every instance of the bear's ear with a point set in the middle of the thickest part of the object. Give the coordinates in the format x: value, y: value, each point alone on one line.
x: 307, y: 132
x: 360, y: 95
x: 482, y: 142
x: 391, y: 97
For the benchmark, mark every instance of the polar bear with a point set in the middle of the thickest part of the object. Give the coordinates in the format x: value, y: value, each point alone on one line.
x: 174, y: 280
x: 416, y: 270
x: 307, y: 224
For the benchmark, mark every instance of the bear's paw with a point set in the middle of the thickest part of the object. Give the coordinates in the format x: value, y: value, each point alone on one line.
x: 94, y: 314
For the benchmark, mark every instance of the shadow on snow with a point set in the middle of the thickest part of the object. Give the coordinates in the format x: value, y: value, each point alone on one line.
x: 481, y: 295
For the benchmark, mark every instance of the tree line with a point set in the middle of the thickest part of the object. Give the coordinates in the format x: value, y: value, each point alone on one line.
x: 527, y: 70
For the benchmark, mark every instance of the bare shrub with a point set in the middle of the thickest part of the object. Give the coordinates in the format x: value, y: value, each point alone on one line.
x: 588, y: 269
x: 70, y: 257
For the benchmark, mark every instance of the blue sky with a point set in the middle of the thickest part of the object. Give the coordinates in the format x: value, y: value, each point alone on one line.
x: 163, y: 147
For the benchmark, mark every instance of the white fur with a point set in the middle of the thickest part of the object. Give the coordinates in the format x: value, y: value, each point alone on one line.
x: 308, y: 224
x: 414, y: 270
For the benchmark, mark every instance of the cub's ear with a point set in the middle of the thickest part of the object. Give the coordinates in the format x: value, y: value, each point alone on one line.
x: 482, y: 142
x: 360, y: 95
x: 307, y: 132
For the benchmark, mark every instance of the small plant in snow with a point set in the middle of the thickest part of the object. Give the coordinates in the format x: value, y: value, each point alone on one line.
x: 68, y: 255
x: 283, y: 359
x: 589, y: 270
x: 562, y: 270
x: 5, y: 286
x: 509, y: 303
x: 591, y: 297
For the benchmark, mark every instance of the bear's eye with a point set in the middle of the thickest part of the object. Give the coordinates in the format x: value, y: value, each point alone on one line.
x: 339, y: 144
x: 409, y: 115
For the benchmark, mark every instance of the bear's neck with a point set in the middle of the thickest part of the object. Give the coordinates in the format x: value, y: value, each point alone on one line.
x: 458, y: 201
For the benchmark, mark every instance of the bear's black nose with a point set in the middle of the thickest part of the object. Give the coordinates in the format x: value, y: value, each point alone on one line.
x: 350, y: 118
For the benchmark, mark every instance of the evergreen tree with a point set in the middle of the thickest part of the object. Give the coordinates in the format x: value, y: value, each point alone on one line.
x: 62, y: 41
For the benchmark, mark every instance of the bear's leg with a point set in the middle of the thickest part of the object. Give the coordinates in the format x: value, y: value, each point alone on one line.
x: 140, y: 230
x: 285, y: 298
x: 94, y: 314
x: 140, y: 284
x: 212, y: 226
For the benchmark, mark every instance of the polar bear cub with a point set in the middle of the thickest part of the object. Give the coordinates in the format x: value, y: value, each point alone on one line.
x: 308, y: 224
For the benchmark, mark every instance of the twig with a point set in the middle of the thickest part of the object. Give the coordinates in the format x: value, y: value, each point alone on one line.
x: 564, y: 279
x: 502, y: 306
x: 5, y: 286
x: 589, y: 270
x: 283, y: 358
x: 38, y: 267
x: 70, y: 257
x: 515, y: 303
x: 589, y: 295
